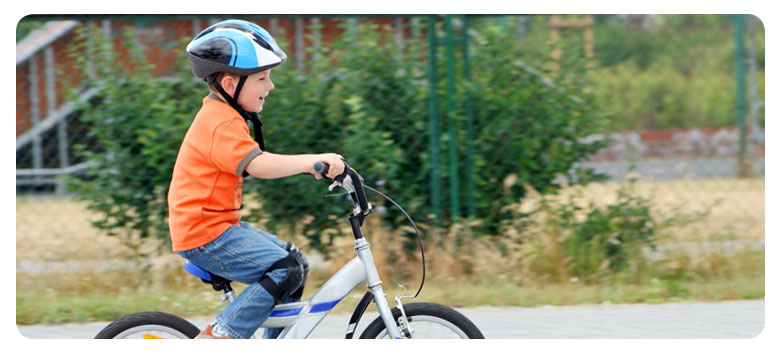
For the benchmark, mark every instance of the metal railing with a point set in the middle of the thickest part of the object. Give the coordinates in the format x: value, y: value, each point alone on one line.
x: 42, y: 40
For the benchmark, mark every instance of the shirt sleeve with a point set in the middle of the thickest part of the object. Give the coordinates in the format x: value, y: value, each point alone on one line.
x: 233, y: 148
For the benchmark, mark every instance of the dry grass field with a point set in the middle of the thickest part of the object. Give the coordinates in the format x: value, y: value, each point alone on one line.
x: 736, y: 207
x: 64, y: 274
x: 50, y: 229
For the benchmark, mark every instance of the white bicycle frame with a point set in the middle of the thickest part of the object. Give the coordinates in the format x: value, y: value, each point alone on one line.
x: 299, y: 318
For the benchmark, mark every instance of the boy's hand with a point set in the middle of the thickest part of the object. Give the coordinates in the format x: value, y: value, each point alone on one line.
x: 336, y: 165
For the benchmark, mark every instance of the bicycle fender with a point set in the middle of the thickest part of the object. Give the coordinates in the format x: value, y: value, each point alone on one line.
x: 357, y: 313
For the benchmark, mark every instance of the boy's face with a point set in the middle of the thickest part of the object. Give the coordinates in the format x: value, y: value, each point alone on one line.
x: 254, y: 91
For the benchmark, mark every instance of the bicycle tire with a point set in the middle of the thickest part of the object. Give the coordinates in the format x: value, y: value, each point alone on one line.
x: 419, y: 313
x: 150, y: 325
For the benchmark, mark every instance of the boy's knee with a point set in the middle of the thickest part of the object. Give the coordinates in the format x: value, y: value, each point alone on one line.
x: 286, y: 277
x: 277, y: 275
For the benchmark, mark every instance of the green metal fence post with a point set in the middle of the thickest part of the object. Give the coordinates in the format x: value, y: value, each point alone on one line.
x: 741, y: 100
x: 469, y: 120
x: 453, y: 156
x: 434, y: 125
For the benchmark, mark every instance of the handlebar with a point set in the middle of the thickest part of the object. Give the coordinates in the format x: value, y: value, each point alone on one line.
x: 352, y: 182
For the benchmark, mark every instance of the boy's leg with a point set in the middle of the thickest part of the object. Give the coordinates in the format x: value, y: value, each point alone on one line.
x: 262, y: 233
x: 269, y: 333
x: 242, y: 255
x: 242, y: 317
x: 273, y: 333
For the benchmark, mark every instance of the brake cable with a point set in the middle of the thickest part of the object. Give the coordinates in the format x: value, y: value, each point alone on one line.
x: 417, y: 234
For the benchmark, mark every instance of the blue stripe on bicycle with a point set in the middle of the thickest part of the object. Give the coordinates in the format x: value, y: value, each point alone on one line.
x: 323, y: 307
x: 285, y: 312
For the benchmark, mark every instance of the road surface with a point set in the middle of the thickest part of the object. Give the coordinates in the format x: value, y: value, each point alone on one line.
x: 727, y: 320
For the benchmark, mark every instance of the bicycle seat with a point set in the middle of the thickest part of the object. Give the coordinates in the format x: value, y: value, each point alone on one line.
x: 218, y: 283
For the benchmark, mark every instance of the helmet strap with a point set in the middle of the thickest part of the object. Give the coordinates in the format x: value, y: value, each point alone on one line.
x: 253, y: 117
x: 232, y: 100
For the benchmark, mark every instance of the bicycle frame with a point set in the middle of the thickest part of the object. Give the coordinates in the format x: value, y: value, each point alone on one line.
x: 299, y: 318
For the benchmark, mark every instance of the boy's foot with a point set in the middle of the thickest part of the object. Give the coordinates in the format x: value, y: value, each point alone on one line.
x: 207, y: 334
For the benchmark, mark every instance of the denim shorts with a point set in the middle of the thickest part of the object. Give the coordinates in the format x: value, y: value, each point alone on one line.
x: 243, y: 253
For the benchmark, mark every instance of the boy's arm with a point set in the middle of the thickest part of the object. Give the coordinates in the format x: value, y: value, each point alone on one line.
x: 273, y: 166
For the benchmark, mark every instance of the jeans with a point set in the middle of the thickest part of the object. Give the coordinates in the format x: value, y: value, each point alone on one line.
x: 243, y: 253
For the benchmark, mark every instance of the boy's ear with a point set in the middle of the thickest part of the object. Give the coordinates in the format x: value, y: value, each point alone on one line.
x: 228, y: 82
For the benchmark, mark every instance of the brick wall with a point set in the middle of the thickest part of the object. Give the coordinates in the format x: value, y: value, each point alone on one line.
x: 677, y: 143
x: 163, y: 41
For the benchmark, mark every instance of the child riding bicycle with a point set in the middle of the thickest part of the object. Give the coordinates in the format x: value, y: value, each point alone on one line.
x: 235, y: 58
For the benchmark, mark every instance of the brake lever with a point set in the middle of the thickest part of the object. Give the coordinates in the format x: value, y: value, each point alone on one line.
x: 333, y: 185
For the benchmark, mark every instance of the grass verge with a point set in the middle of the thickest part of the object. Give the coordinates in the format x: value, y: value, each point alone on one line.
x: 103, y: 300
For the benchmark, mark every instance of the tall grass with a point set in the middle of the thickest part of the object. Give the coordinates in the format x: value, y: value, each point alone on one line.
x: 537, y: 259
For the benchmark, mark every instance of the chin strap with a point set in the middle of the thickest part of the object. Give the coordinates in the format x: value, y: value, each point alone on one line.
x: 253, y: 117
x: 248, y: 116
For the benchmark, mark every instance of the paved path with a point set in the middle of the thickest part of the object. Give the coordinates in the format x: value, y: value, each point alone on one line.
x: 673, y: 169
x: 736, y: 319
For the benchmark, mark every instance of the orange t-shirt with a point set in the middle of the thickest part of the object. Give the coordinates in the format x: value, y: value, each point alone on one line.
x: 206, y: 186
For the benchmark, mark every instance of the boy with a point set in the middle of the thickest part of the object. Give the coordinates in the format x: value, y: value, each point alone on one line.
x: 235, y: 58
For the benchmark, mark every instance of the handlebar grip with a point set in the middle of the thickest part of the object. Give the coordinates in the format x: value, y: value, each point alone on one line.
x: 321, y: 168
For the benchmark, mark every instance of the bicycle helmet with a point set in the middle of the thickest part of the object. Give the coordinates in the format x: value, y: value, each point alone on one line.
x: 238, y: 47
x: 233, y: 46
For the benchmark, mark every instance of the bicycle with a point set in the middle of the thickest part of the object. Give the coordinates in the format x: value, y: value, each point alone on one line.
x: 299, y: 319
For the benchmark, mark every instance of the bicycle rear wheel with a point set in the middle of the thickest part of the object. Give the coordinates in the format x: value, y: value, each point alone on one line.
x: 427, y: 321
x: 149, y: 325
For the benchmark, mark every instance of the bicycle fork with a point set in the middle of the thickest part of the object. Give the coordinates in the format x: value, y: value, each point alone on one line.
x: 373, y: 284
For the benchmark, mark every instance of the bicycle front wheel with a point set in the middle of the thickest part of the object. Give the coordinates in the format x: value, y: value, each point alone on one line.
x: 426, y: 321
x: 149, y: 325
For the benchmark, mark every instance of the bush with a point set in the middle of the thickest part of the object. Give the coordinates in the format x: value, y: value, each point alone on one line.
x: 529, y: 124
x: 661, y: 97
x: 662, y: 71
x: 566, y: 240
x: 604, y: 240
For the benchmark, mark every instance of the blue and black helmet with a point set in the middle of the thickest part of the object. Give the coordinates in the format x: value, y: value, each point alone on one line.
x: 233, y: 46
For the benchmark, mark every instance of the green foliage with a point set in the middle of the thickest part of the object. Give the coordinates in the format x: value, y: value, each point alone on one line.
x: 604, y: 240
x: 601, y: 242
x: 660, y: 71
x: 662, y: 97
x: 529, y: 125
x: 136, y: 124
x: 24, y: 27
x: 367, y: 100
x: 357, y: 98
x: 684, y: 75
